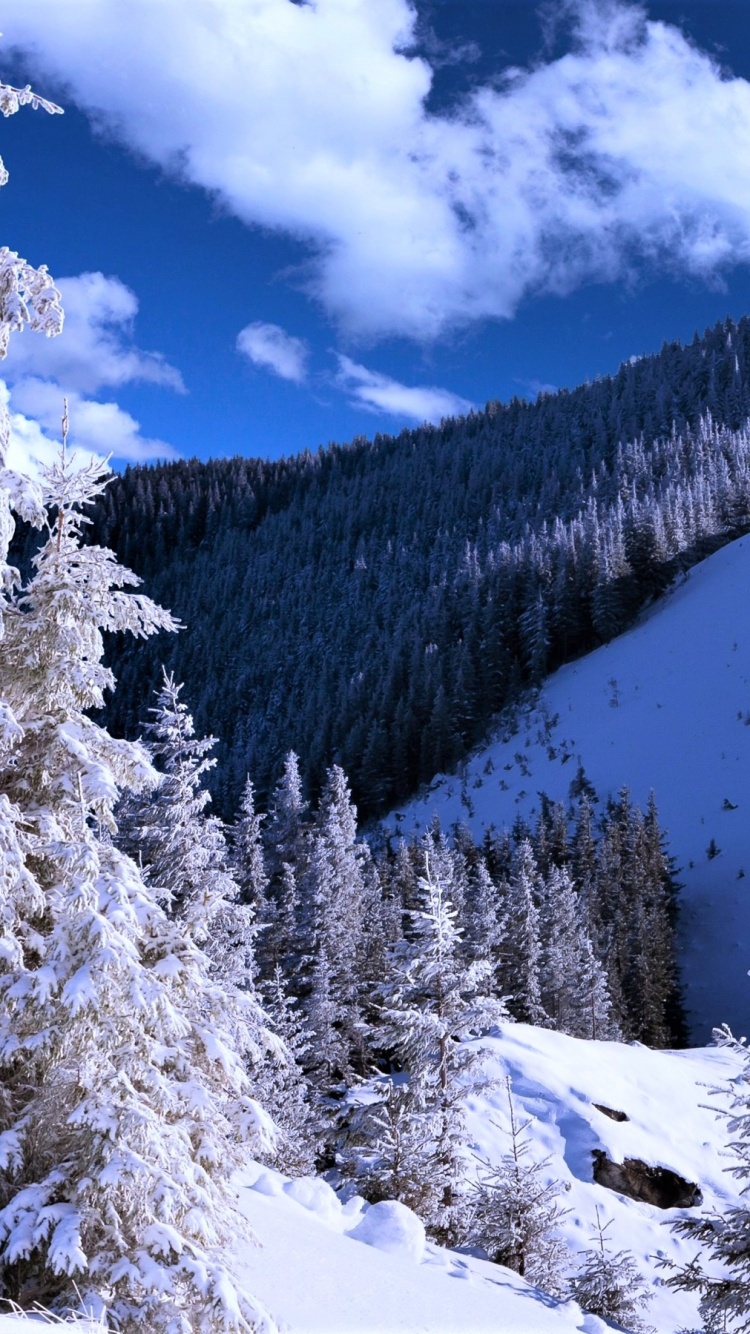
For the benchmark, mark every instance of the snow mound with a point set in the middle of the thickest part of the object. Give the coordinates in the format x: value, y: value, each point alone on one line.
x: 269, y: 1183
x: 665, y: 706
x: 314, y: 1194
x: 391, y: 1227
x: 314, y: 1279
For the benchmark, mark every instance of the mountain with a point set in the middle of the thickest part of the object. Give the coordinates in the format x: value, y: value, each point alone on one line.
x: 377, y: 604
x: 338, y: 1285
x: 666, y: 706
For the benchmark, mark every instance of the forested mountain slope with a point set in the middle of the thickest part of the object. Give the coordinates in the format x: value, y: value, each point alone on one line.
x: 377, y: 603
x: 665, y: 706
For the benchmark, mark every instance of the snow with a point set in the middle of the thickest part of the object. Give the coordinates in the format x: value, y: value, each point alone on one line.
x: 316, y: 1276
x: 391, y: 1227
x: 665, y: 706
x: 323, y: 1267
x: 11, y: 1324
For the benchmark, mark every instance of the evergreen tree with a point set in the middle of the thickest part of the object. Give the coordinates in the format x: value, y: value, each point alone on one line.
x: 724, y: 1238
x: 432, y: 1002
x: 335, y: 890
x: 284, y: 1089
x: 124, y: 1098
x: 389, y: 1147
x: 574, y: 985
x: 248, y: 861
x: 522, y: 965
x: 518, y: 1212
x: 609, y: 1285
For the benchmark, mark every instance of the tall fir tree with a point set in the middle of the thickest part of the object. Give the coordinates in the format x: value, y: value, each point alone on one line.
x: 123, y: 1094
x: 432, y: 1002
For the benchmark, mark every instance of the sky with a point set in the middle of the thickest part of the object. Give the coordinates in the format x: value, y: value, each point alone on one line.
x: 276, y: 224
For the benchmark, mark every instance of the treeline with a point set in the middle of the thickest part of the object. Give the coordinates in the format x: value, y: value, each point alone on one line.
x: 377, y: 966
x: 572, y: 919
x: 375, y: 605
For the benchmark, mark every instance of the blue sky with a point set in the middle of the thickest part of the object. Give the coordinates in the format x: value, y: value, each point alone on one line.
x: 283, y: 224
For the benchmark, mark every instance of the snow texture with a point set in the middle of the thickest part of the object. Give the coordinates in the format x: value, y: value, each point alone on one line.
x: 665, y: 706
x: 317, y: 1282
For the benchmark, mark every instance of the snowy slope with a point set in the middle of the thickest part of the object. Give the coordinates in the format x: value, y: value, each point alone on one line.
x: 324, y: 1268
x: 319, y: 1279
x: 666, y: 706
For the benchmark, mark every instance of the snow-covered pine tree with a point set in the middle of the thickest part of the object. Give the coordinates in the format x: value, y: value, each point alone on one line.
x: 122, y: 1090
x: 335, y: 889
x: 432, y: 1001
x: 724, y: 1298
x: 184, y: 857
x: 28, y: 299
x: 282, y: 1085
x: 609, y: 1285
x: 517, y: 1212
x: 486, y: 920
x: 286, y: 919
x: 522, y: 963
x: 574, y: 984
x: 285, y: 832
x: 389, y: 1147
x: 248, y: 862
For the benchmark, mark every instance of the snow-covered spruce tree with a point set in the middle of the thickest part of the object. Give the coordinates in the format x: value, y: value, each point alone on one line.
x: 575, y: 994
x: 285, y: 843
x: 608, y: 1284
x: 517, y: 1212
x: 521, y: 974
x: 334, y: 889
x: 248, y: 861
x: 389, y: 1148
x: 122, y: 1091
x: 282, y: 1085
x: 724, y: 1238
x: 184, y: 857
x: 432, y: 1001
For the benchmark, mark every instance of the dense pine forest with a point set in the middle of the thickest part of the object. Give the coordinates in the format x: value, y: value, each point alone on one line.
x: 376, y: 604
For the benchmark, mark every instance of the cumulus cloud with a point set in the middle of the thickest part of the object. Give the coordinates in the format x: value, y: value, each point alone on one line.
x: 269, y: 346
x: 95, y: 348
x: 95, y: 428
x: 379, y: 393
x: 632, y: 149
x: 95, y: 351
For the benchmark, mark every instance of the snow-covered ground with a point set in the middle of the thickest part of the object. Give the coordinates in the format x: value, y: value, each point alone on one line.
x: 665, y: 706
x: 321, y: 1267
x: 320, y: 1272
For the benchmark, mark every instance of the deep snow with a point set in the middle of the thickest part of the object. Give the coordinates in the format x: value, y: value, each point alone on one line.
x: 323, y: 1267
x: 326, y: 1269
x: 665, y: 706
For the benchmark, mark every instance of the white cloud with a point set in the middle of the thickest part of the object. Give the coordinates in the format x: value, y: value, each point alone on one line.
x: 95, y: 351
x: 269, y: 346
x: 95, y: 348
x: 95, y: 428
x: 631, y: 148
x: 380, y: 393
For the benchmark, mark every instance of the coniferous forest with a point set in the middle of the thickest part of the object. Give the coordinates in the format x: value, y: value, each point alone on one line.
x: 213, y: 982
x: 375, y: 605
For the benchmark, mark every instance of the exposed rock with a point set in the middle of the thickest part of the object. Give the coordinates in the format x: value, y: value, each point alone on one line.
x: 611, y: 1113
x: 654, y: 1185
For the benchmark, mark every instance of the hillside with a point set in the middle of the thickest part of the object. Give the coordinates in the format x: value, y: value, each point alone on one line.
x: 666, y: 706
x: 337, y: 1285
x: 377, y: 604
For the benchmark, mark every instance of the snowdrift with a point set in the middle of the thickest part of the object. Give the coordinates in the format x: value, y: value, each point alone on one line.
x: 327, y: 1268
x: 665, y: 706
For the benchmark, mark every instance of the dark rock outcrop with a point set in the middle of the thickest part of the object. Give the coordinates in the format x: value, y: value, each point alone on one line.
x: 611, y: 1113
x: 653, y: 1185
